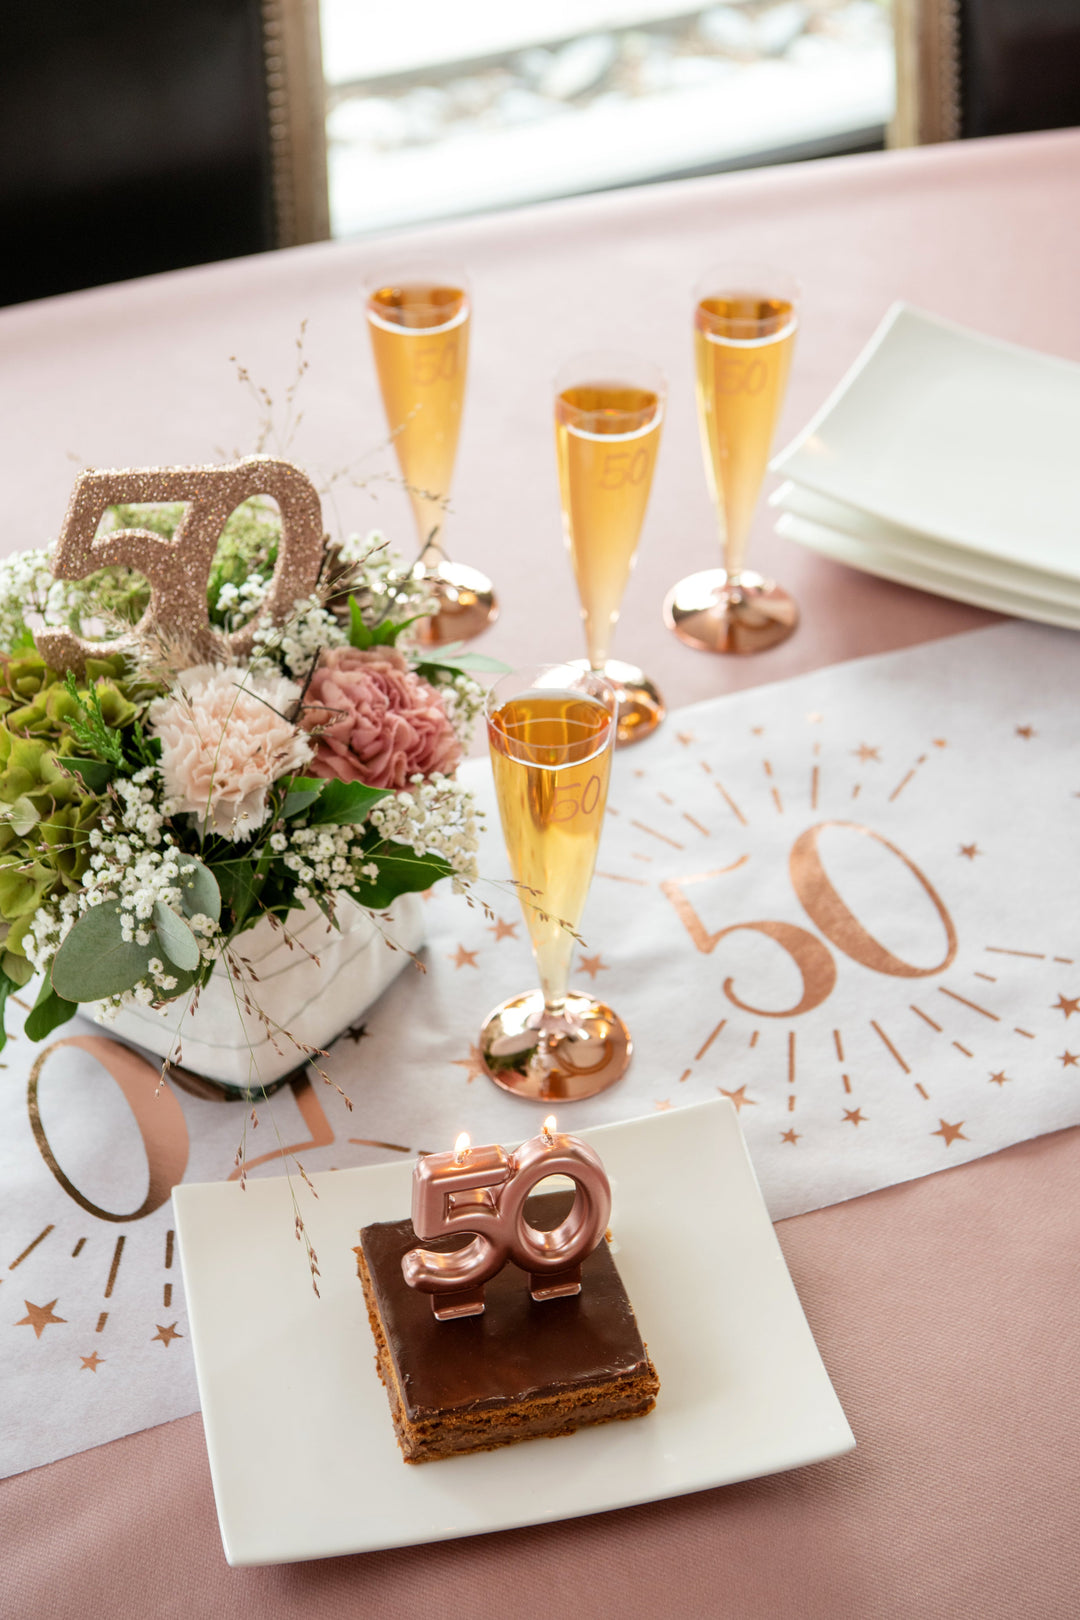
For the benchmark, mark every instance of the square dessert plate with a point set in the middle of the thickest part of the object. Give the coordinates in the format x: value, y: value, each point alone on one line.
x: 961, y: 437
x: 909, y: 547
x: 888, y: 563
x: 302, y: 1450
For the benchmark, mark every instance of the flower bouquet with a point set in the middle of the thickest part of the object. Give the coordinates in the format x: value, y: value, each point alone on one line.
x: 211, y: 810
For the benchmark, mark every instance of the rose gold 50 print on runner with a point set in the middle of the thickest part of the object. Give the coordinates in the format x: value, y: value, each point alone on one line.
x: 551, y: 732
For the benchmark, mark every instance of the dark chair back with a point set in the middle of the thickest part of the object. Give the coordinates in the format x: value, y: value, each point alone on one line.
x: 967, y: 68
x: 138, y: 136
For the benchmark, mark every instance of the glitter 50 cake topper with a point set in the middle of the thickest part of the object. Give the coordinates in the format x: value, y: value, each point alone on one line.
x: 178, y: 569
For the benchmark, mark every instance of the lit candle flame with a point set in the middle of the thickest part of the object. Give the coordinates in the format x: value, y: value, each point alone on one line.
x: 549, y: 1128
x: 461, y: 1148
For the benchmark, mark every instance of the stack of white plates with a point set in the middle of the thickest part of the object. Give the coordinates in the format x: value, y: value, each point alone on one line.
x: 949, y: 461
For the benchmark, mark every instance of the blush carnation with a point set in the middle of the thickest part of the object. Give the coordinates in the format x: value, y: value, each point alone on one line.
x: 378, y: 721
x: 224, y: 742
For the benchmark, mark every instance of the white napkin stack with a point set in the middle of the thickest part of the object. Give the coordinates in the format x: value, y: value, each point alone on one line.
x: 946, y: 460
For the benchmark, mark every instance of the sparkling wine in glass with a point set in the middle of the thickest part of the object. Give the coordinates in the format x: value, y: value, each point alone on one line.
x: 551, y: 731
x: 609, y: 409
x: 745, y: 320
x: 418, y: 321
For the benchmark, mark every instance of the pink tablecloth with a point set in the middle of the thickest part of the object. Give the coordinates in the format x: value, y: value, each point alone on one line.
x: 946, y: 1309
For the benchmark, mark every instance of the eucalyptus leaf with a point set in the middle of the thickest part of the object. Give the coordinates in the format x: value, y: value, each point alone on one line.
x: 177, y: 940
x: 48, y: 1013
x: 459, y: 662
x: 346, y: 804
x: 199, y: 892
x: 94, y: 961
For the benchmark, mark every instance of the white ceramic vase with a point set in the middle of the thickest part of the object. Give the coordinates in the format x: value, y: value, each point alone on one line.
x: 315, y: 993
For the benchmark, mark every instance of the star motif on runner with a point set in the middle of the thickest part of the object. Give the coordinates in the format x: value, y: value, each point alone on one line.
x: 970, y: 850
x: 855, y: 1116
x: 502, y: 929
x: 950, y: 1133
x: 40, y: 1317
x: 356, y: 1032
x: 864, y: 752
x: 1000, y: 1078
x: 1067, y: 1004
x: 663, y: 1106
x: 426, y: 894
x: 1070, y: 1060
x: 1027, y: 732
x: 757, y: 731
x: 685, y: 737
x: 474, y: 1063
x: 940, y: 742
x: 92, y: 1363
x: 166, y: 1334
x: 739, y: 1098
x: 790, y: 1136
x: 592, y: 965
x: 462, y: 958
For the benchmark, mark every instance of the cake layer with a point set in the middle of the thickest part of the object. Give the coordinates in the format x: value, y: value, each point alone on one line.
x: 521, y: 1370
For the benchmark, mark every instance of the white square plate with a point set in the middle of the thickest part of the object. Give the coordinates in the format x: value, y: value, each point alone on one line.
x: 907, y: 546
x: 302, y: 1451
x: 889, y: 563
x: 957, y: 436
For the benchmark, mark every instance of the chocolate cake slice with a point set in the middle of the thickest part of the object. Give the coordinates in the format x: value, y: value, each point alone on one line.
x: 522, y: 1370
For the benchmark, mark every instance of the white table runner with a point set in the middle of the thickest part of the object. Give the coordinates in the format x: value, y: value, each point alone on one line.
x: 850, y: 902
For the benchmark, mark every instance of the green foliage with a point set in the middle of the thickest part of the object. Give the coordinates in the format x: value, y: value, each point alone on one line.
x: 300, y: 793
x: 450, y: 661
x: 345, y: 804
x: 177, y: 941
x: 401, y: 871
x: 240, y: 885
x: 39, y: 795
x: 199, y: 892
x: 95, y: 774
x: 95, y: 961
x: 159, y: 517
x: 37, y: 702
x: 88, y: 725
x: 7, y: 986
x: 249, y: 544
x: 384, y: 634
x: 48, y: 1013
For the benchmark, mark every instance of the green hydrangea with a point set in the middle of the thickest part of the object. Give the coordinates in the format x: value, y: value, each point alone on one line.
x: 46, y: 817
x: 34, y: 701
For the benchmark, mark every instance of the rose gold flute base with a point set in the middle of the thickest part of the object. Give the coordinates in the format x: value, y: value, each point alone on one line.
x: 641, y: 708
x: 550, y: 1058
x: 466, y: 602
x: 708, y: 613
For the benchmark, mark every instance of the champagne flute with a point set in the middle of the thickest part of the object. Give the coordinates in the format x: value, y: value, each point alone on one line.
x: 609, y: 409
x: 551, y: 730
x: 745, y: 320
x: 418, y: 320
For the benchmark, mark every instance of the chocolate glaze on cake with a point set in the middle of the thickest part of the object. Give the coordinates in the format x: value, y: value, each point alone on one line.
x: 522, y: 1369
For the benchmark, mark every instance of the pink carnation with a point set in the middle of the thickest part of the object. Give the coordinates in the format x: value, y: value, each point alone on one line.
x: 378, y: 721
